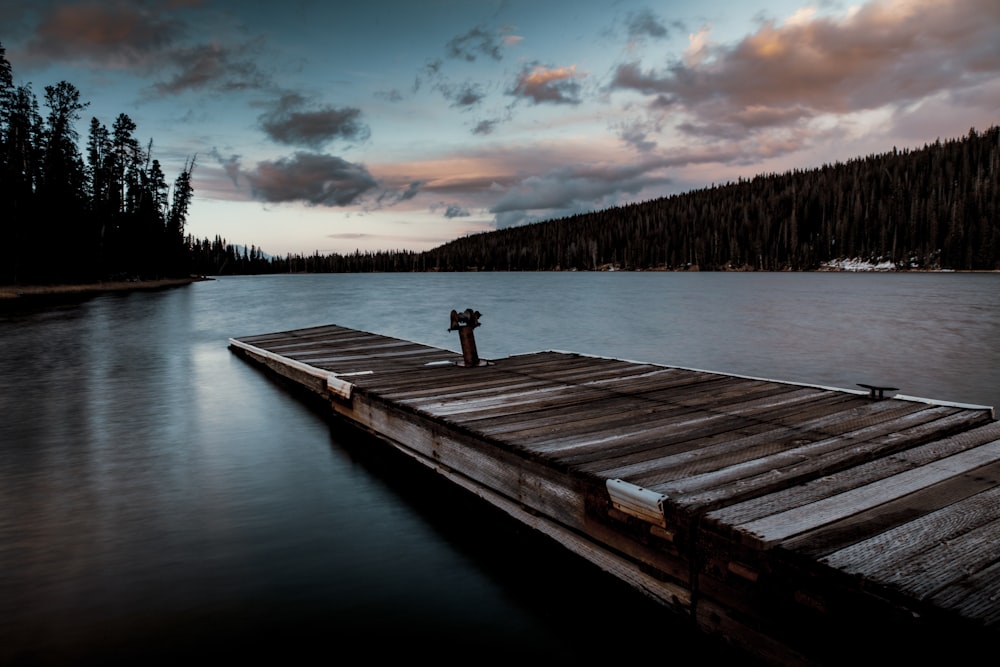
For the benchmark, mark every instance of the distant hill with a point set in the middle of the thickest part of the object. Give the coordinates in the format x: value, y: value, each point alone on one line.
x: 931, y: 208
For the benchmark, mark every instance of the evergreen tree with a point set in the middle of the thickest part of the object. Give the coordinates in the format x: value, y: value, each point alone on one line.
x: 62, y: 184
x: 177, y: 218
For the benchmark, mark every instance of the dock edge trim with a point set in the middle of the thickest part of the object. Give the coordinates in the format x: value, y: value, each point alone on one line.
x: 334, y: 384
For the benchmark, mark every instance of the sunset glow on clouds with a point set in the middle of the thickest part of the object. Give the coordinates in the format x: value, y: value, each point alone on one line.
x: 392, y: 125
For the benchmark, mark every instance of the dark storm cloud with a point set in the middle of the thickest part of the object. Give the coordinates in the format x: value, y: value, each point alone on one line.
x: 883, y: 54
x: 540, y: 84
x: 476, y: 42
x: 311, y: 178
x: 291, y: 122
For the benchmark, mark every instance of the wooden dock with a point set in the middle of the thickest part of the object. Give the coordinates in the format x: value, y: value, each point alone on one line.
x: 807, y: 525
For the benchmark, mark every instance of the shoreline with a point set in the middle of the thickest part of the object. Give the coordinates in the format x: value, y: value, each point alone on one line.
x: 13, y: 294
x: 20, y: 293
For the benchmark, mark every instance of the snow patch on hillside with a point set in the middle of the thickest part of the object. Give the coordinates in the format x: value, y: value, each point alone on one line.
x: 857, y: 265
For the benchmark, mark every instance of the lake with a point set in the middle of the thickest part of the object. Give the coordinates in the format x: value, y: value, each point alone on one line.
x: 161, y: 500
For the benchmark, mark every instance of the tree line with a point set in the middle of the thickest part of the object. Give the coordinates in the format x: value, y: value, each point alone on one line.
x: 928, y: 208
x: 70, y: 217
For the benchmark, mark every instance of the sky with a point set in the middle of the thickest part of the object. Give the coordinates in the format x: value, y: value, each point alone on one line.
x: 331, y: 127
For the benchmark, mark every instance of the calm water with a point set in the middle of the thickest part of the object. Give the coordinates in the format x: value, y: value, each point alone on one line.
x: 162, y: 499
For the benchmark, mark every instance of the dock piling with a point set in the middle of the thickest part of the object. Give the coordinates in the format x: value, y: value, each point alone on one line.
x: 465, y: 322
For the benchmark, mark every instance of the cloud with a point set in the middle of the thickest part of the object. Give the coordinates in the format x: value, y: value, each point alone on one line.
x: 451, y: 211
x: 462, y: 96
x: 568, y: 183
x: 144, y: 38
x: 292, y: 124
x: 391, y: 95
x: 465, y: 95
x: 312, y: 178
x: 727, y: 123
x: 231, y: 165
x: 211, y: 67
x: 887, y: 53
x: 572, y: 189
x: 484, y: 127
x: 644, y: 23
x: 541, y: 84
x: 456, y: 211
x: 115, y: 34
x: 411, y: 191
x: 636, y: 131
x: 476, y: 42
x: 350, y: 236
x: 391, y: 198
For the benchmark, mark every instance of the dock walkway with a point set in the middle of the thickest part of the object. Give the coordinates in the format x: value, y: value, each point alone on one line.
x: 799, y: 522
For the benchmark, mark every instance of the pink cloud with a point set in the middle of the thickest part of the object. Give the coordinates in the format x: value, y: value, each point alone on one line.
x: 557, y: 85
x: 884, y: 53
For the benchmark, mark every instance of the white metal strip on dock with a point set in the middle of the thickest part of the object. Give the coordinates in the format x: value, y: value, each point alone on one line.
x: 340, y: 387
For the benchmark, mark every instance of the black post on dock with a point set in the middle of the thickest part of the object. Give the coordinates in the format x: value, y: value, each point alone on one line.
x: 465, y: 322
x: 877, y: 392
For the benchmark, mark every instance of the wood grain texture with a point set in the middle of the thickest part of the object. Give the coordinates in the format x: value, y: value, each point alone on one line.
x: 785, y: 499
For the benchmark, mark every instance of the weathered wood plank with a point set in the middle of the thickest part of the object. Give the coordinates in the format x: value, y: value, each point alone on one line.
x: 766, y: 433
x: 947, y: 563
x: 512, y: 401
x: 297, y: 347
x: 581, y: 418
x: 838, y: 534
x: 782, y: 525
x: 700, y: 425
x: 974, y: 595
x: 521, y: 423
x: 899, y: 553
x: 851, y: 478
x: 800, y: 464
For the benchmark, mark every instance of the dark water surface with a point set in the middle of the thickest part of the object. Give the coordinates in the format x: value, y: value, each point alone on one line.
x: 163, y: 501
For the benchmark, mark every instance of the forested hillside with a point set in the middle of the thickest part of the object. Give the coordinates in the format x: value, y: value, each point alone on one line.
x: 66, y: 217
x: 935, y: 207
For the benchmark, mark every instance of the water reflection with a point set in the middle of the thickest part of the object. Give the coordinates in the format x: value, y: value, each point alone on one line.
x: 160, y: 498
